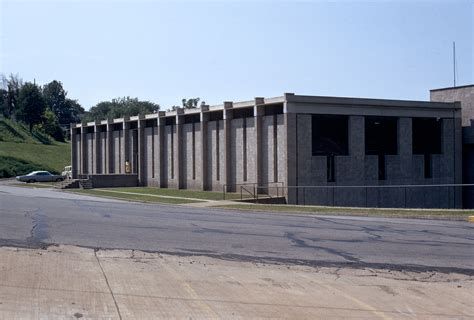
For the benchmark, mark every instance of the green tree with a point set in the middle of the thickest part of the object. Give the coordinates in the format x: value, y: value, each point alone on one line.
x: 31, y: 105
x: 120, y: 107
x: 190, y: 103
x: 12, y: 86
x: 65, y: 109
x: 50, y: 125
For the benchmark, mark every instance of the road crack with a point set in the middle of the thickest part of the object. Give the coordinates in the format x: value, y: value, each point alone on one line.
x: 108, y: 285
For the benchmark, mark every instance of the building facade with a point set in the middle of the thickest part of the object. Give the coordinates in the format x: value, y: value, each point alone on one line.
x: 465, y: 95
x: 316, y: 150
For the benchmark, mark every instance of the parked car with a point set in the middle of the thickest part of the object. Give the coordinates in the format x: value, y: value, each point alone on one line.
x: 40, y: 176
x: 67, y: 172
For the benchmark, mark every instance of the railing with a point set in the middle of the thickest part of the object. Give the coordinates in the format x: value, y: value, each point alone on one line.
x: 255, y: 186
x: 367, y: 194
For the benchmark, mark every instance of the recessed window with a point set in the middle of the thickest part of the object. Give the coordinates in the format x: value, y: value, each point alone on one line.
x: 381, y: 135
x: 330, y: 135
x: 426, y: 135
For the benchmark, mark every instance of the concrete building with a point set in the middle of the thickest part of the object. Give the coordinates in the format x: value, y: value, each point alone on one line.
x: 292, y: 141
x: 465, y: 95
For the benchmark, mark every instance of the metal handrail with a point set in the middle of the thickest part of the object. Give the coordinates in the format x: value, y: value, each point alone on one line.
x: 243, y: 188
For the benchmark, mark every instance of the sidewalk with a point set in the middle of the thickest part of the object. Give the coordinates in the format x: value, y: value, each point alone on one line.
x: 71, y: 282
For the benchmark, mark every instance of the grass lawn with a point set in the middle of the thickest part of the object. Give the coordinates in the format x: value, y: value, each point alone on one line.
x: 205, y: 195
x: 47, y: 157
x: 394, y: 213
x: 133, y: 197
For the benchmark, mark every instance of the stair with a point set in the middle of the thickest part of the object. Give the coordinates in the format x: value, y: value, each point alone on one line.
x: 85, y: 184
x: 74, y: 184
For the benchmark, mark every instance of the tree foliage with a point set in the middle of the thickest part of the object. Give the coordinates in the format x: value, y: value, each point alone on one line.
x: 120, y: 107
x: 65, y: 109
x: 31, y: 105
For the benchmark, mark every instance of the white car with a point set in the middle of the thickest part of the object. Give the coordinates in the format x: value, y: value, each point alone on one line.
x: 67, y: 172
x: 40, y: 176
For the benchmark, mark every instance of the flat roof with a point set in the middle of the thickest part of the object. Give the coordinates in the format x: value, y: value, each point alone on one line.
x: 454, y: 88
x: 302, y: 100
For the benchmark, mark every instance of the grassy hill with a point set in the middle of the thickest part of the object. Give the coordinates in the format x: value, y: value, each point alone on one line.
x: 22, y: 151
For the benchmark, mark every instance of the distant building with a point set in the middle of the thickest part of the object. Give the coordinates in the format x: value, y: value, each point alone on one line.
x: 465, y: 95
x: 292, y: 141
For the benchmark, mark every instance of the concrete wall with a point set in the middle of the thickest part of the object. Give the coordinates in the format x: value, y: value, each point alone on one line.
x: 463, y: 94
x: 113, y: 180
x: 118, y: 151
x: 192, y: 165
x: 215, y: 155
x: 151, y: 168
x: 358, y: 169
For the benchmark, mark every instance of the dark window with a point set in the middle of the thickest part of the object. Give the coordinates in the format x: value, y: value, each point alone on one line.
x: 242, y: 113
x: 330, y: 135
x: 428, y: 166
x: 192, y: 118
x: 381, y: 135
x: 381, y: 166
x: 330, y: 169
x: 215, y: 116
x: 426, y: 136
x: 169, y: 121
x: 273, y: 109
x: 150, y: 123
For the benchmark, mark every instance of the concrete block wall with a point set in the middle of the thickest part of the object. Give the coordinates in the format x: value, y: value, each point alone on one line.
x: 215, y: 155
x: 170, y: 159
x: 192, y: 165
x: 102, y: 153
x: 118, y: 151
x: 358, y: 169
x: 151, y: 167
x: 90, y: 153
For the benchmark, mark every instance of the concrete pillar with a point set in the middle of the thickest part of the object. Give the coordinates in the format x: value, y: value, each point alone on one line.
x: 160, y: 151
x: 356, y: 149
x: 291, y: 151
x: 405, y: 148
x: 141, y: 152
x: 205, y: 181
x: 126, y: 143
x: 74, y: 151
x: 109, y: 148
x: 97, y: 153
x: 84, y: 169
x: 258, y: 112
x: 228, y: 115
x: 178, y: 147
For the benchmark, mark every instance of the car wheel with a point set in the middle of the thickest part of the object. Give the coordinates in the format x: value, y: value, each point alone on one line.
x: 30, y: 181
x: 59, y: 179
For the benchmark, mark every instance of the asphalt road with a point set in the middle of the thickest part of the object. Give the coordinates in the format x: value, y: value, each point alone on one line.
x: 41, y: 217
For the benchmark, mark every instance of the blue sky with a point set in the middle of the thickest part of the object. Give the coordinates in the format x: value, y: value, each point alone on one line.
x: 166, y: 51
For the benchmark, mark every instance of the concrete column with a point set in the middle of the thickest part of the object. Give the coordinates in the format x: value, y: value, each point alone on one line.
x: 356, y: 149
x: 405, y: 148
x: 141, y: 152
x: 205, y: 183
x: 258, y: 112
x: 178, y: 147
x: 126, y: 143
x: 228, y: 115
x: 84, y: 169
x: 97, y: 153
x: 109, y: 148
x: 74, y: 150
x: 291, y: 150
x: 160, y: 151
